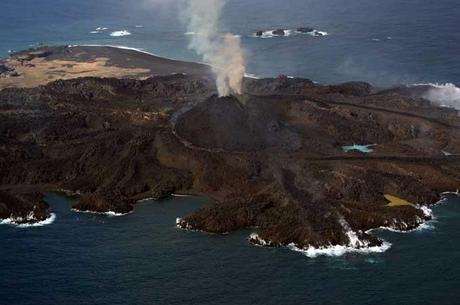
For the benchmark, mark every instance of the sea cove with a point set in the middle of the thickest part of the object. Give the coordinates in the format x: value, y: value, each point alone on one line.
x: 143, y: 257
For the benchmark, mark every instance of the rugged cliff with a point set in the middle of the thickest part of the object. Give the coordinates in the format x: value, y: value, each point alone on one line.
x: 271, y: 158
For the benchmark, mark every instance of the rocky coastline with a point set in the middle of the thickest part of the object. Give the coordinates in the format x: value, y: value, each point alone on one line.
x: 270, y: 159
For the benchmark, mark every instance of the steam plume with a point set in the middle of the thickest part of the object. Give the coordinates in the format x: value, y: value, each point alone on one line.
x: 223, y: 52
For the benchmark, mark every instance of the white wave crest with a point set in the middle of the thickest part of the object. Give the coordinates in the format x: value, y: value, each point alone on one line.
x: 109, y: 213
x: 355, y: 245
x: 339, y: 250
x: 146, y: 199
x: 120, y: 33
x: 17, y: 221
x: 421, y: 224
x: 289, y: 32
x: 99, y: 30
x: 184, y: 225
x: 253, y: 76
x: 259, y: 241
x: 317, y: 33
x: 180, y: 195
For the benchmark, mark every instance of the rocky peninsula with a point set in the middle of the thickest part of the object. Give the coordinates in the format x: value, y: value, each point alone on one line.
x: 113, y: 126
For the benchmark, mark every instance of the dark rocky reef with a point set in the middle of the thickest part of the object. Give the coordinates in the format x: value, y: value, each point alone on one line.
x: 270, y: 158
x: 305, y: 30
x: 279, y: 32
x: 28, y: 208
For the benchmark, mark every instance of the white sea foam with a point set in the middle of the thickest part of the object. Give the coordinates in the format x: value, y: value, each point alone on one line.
x: 355, y: 245
x: 99, y: 30
x: 317, y: 33
x: 259, y: 241
x: 290, y: 32
x: 250, y: 75
x: 446, y: 95
x: 422, y: 224
x: 183, y: 225
x: 456, y: 193
x: 180, y: 195
x: 109, y: 213
x: 120, y: 33
x: 270, y: 34
x: 17, y: 221
x: 146, y: 199
x: 339, y: 250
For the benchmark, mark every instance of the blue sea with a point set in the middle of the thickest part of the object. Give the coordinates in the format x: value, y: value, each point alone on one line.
x: 141, y: 258
x: 384, y: 42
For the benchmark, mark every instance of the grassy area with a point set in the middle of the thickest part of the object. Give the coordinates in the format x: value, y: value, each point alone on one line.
x: 396, y: 201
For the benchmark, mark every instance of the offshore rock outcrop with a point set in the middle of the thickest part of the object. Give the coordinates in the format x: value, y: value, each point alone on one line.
x: 271, y: 158
x: 21, y: 209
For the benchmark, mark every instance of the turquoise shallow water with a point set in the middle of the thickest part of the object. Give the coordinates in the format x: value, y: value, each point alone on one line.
x: 142, y: 258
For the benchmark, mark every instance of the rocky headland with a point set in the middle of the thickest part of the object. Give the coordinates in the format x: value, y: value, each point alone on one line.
x: 271, y: 158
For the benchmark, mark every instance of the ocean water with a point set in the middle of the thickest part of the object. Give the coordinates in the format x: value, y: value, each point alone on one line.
x: 384, y: 42
x: 141, y: 258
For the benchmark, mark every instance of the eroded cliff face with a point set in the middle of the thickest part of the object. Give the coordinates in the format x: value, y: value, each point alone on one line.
x: 271, y: 158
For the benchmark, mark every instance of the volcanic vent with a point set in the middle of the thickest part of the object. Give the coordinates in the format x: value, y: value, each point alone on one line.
x: 225, y: 123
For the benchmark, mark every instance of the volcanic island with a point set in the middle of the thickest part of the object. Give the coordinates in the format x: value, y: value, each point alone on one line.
x: 302, y: 164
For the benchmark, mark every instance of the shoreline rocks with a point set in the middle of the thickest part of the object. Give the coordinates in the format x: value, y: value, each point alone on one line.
x: 23, y: 208
x: 279, y: 32
x: 270, y: 158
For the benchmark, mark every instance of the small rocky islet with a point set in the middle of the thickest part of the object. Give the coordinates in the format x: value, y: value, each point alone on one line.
x: 286, y: 32
x: 270, y: 159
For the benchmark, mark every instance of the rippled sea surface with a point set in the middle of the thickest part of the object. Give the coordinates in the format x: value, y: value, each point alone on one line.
x: 141, y: 258
x: 381, y: 41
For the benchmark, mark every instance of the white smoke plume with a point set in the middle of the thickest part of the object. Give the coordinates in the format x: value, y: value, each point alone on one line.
x: 222, y: 51
x: 444, y: 95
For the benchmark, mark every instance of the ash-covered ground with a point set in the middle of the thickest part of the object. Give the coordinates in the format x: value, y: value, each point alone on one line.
x: 270, y: 158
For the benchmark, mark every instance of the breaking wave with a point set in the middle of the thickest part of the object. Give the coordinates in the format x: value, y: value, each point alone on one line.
x: 340, y: 250
x: 16, y: 222
x: 355, y: 245
x: 422, y: 225
x: 99, y: 30
x: 180, y: 195
x: 289, y: 32
x: 120, y: 33
x: 251, y: 75
x: 109, y: 213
